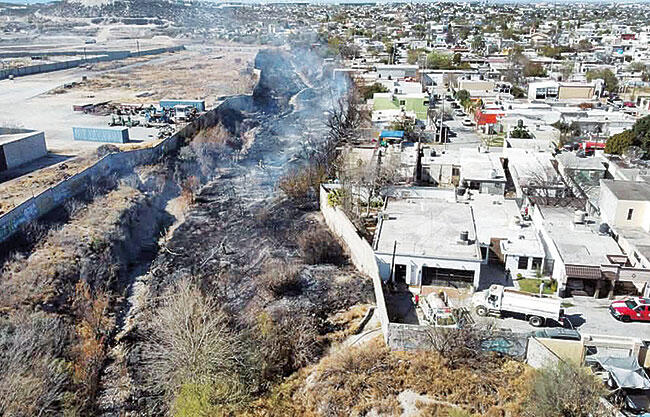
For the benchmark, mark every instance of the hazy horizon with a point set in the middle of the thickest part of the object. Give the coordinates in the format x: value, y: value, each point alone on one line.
x: 25, y: 2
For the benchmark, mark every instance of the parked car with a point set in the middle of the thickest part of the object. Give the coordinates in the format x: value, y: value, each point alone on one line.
x: 631, y: 308
x: 460, y: 113
x: 558, y: 333
x: 467, y: 122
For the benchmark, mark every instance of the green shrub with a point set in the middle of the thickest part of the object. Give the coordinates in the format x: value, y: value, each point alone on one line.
x: 193, y: 400
x: 335, y: 197
x: 565, y: 390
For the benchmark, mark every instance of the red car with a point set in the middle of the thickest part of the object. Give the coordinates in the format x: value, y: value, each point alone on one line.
x: 633, y: 308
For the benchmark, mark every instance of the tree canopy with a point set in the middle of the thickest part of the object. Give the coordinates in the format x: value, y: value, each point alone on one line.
x: 463, y: 97
x: 611, y: 82
x: 639, y: 136
x: 369, y: 91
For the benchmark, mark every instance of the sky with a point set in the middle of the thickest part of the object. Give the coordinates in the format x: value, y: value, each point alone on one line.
x: 365, y: 1
x: 24, y: 1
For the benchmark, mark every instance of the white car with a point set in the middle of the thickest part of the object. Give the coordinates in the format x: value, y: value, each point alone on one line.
x: 467, y: 122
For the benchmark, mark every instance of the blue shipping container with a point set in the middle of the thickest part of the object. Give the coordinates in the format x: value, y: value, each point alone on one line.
x: 101, y: 134
x: 198, y: 104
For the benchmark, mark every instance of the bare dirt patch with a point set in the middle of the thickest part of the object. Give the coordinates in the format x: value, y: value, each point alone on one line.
x: 190, y: 74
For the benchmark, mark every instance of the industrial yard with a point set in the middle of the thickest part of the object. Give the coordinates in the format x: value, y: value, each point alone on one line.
x: 110, y: 97
x: 204, y: 73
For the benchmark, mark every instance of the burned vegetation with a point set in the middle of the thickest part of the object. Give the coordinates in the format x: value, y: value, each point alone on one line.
x: 194, y: 279
x: 264, y: 276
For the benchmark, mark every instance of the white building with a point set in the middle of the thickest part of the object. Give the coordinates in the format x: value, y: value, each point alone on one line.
x: 428, y: 241
x: 396, y: 72
x: 20, y: 146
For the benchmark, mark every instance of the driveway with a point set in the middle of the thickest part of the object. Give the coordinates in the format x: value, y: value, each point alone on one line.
x: 587, y: 315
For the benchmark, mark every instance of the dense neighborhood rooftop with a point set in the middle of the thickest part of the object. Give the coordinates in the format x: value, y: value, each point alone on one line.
x: 428, y: 227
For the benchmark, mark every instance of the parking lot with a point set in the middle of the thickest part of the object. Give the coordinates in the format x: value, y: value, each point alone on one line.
x: 587, y: 315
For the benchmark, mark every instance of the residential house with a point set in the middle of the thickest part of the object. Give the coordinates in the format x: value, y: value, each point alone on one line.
x: 584, y: 258
x: 415, y: 102
x: 427, y: 241
x: 481, y: 171
x: 397, y: 72
x: 555, y: 90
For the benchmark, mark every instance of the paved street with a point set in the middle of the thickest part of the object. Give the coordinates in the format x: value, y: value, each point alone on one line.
x: 588, y: 316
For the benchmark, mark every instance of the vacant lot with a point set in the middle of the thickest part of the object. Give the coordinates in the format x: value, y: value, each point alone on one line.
x: 205, y: 72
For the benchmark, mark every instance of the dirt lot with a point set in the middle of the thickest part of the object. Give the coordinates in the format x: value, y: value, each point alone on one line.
x: 16, y: 191
x: 198, y: 73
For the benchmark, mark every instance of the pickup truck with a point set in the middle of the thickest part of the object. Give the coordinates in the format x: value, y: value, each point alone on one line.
x: 536, y: 309
x: 631, y: 308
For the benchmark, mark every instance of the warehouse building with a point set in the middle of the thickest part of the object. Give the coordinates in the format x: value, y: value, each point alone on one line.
x: 20, y: 146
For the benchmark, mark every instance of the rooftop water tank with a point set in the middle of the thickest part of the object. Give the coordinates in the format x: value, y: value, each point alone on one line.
x: 579, y: 217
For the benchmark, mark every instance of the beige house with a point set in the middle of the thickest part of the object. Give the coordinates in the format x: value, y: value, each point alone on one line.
x: 576, y: 91
x: 555, y: 90
x: 625, y: 208
x: 476, y: 85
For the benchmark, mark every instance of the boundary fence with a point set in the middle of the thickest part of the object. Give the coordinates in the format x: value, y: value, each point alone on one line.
x: 58, y: 66
x: 44, y: 202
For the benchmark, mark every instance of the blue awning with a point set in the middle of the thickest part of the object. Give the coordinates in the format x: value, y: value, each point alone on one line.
x: 395, y: 134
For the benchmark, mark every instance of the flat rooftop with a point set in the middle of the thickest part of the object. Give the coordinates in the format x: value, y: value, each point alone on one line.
x: 580, y: 244
x: 499, y: 218
x: 572, y: 161
x: 637, y: 237
x: 481, y: 166
x: 427, y: 227
x: 8, y: 135
x: 529, y: 163
x: 628, y: 190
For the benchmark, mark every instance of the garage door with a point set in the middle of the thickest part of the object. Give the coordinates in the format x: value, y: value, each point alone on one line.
x: 457, y: 278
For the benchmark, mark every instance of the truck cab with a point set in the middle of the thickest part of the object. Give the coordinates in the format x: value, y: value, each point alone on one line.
x: 629, y: 309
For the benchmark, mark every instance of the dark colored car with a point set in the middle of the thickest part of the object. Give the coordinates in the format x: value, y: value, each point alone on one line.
x: 558, y: 333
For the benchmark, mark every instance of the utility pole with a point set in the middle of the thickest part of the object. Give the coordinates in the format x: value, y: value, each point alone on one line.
x: 392, y: 264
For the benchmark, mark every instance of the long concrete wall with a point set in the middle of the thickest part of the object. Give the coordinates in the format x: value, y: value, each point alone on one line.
x: 58, y: 66
x: 41, y: 204
x: 360, y: 251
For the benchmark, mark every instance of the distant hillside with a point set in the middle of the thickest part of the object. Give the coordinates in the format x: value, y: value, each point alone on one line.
x: 182, y: 13
x: 91, y: 3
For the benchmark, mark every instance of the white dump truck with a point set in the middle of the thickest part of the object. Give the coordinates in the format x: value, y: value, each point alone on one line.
x: 498, y: 300
x: 437, y: 313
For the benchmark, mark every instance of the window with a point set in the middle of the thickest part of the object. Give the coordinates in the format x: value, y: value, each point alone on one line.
x: 536, y: 264
x: 523, y: 262
x: 629, y: 213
